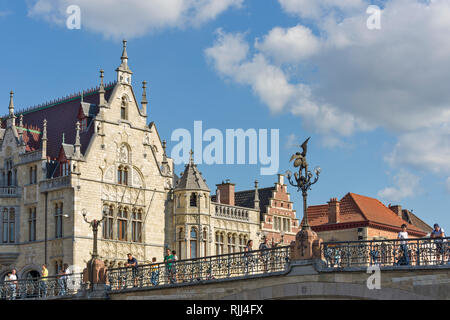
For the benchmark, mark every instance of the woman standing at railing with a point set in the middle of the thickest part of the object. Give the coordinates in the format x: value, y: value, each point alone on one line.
x: 248, y: 256
x: 43, y: 282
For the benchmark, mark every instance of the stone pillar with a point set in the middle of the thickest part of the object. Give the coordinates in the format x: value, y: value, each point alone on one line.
x: 95, y: 273
x: 307, y: 246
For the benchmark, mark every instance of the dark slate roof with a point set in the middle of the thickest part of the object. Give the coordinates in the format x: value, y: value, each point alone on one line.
x: 246, y: 198
x: 191, y: 179
x: 61, y: 115
x: 411, y: 218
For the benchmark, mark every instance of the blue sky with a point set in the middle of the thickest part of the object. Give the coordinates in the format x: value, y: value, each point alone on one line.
x: 375, y: 102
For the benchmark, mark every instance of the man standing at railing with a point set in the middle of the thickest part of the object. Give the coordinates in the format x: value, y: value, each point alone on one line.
x: 132, y: 262
x: 44, y: 279
x: 403, y: 245
x: 438, y: 234
x: 168, y: 260
x: 13, y: 284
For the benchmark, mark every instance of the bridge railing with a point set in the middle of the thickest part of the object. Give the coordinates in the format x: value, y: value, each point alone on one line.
x: 44, y: 288
x: 227, y: 266
x: 397, y: 252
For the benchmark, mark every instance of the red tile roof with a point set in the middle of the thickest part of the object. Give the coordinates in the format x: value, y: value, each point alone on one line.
x: 357, y: 208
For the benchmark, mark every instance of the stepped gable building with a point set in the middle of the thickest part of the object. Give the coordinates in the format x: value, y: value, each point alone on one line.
x: 357, y: 217
x: 94, y: 153
x: 275, y: 209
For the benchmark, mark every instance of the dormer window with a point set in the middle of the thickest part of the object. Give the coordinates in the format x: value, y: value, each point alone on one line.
x: 83, y: 124
x: 64, y: 168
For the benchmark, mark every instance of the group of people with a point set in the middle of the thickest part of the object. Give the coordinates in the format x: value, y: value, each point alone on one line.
x: 437, y: 234
x: 39, y: 286
x: 171, y: 273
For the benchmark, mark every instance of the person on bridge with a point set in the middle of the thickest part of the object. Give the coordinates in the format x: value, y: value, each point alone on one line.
x: 132, y: 262
x: 438, y: 234
x: 404, y: 260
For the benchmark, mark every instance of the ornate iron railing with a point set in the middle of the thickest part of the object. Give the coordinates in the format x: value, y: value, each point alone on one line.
x: 227, y: 266
x: 42, y: 288
x: 411, y: 252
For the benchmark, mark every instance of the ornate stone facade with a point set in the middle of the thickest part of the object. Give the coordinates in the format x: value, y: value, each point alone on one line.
x: 95, y: 153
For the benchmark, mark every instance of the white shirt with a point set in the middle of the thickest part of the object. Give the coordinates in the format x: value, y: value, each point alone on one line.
x: 403, y: 235
x: 12, y: 277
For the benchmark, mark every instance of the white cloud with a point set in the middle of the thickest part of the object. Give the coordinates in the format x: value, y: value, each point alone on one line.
x: 448, y: 185
x: 429, y: 149
x: 132, y: 18
x: 318, y: 8
x: 289, y: 45
x: 406, y: 185
x: 231, y: 57
x: 353, y: 78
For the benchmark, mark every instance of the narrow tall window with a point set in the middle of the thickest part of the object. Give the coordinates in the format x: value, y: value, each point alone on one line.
x: 122, y: 218
x: 193, y: 243
x: 9, y: 225
x: 123, y: 109
x: 108, y: 222
x: 32, y: 224
x: 136, y: 226
x: 58, y: 220
x: 193, y: 200
x: 230, y: 243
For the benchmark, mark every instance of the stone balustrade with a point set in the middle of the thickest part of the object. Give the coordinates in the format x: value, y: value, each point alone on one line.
x: 55, y: 183
x: 231, y: 212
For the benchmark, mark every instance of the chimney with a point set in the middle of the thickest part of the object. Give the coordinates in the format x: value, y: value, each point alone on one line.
x: 281, y: 179
x: 334, y: 211
x: 226, y: 192
x: 397, y: 209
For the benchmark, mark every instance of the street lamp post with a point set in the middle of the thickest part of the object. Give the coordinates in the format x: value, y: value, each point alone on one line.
x: 92, y: 264
x: 303, y: 179
x: 94, y: 225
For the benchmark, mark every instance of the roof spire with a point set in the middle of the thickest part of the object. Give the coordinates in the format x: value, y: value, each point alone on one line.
x: 44, y: 140
x: 11, y: 104
x: 21, y: 121
x: 144, y: 101
x: 191, y: 158
x: 44, y: 130
x: 63, y: 138
x: 77, y: 144
x: 123, y: 72
x: 124, y: 52
x: 101, y: 91
x: 256, y: 200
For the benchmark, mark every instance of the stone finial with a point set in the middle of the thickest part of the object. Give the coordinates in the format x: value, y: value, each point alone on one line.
x: 256, y: 200
x: 191, y: 158
x: 44, y: 140
x: 124, y: 52
x: 44, y: 130
x: 63, y: 138
x: 11, y: 104
x: 144, y: 101
x: 21, y: 121
x: 101, y: 91
x: 164, y: 145
x: 77, y: 145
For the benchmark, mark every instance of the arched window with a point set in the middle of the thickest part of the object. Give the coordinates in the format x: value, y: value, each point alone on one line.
x: 205, y: 240
x: 193, y: 200
x: 136, y: 226
x: 122, y: 175
x: 122, y: 218
x: 230, y: 243
x: 108, y: 222
x: 193, y: 243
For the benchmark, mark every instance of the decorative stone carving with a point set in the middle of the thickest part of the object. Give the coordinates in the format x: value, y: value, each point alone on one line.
x: 306, y: 246
x: 123, y: 154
